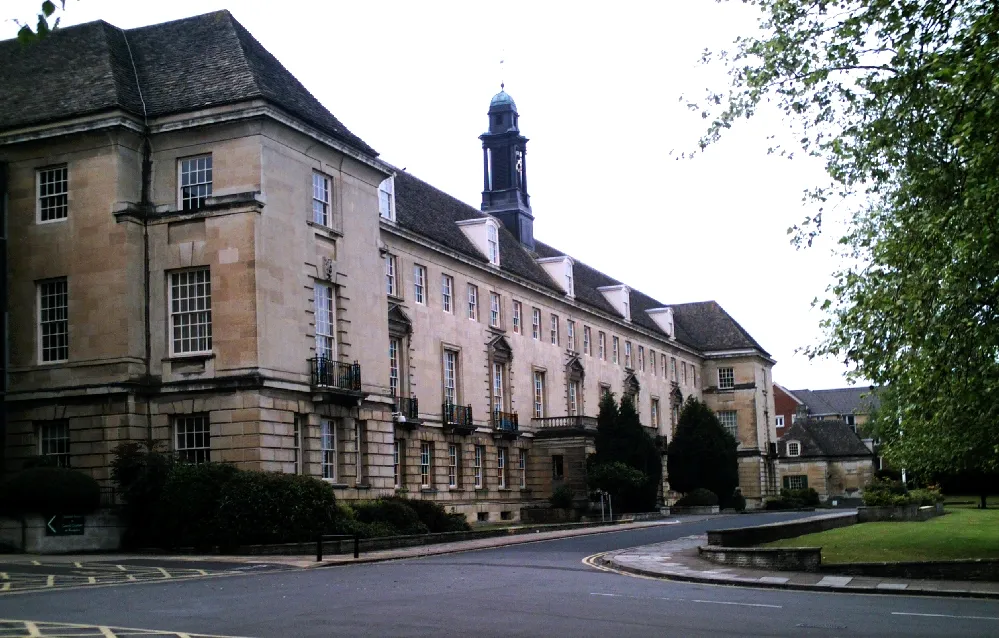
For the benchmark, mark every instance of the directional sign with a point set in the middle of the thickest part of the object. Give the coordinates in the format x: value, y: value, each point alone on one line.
x: 64, y: 525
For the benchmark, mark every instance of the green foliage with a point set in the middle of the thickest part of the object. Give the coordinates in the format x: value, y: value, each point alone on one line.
x: 899, y: 97
x: 387, y: 517
x: 737, y: 502
x: 703, y: 453
x: 562, y: 498
x: 794, y: 499
x: 191, y: 496
x: 434, y: 516
x: 140, y: 472
x: 615, y: 478
x: 49, y: 490
x: 42, y: 27
x: 699, y: 497
x: 881, y: 492
x: 621, y: 439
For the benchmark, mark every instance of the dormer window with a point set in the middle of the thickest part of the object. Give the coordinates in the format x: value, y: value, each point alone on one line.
x: 569, y: 289
x: 483, y: 232
x: 793, y: 448
x: 560, y: 269
x: 386, y: 199
x: 619, y: 297
x: 492, y: 238
x: 663, y: 318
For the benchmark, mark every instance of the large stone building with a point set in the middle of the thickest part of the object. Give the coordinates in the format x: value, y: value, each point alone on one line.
x: 202, y: 255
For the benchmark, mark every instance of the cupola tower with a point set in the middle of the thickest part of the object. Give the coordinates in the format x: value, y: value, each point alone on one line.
x: 504, y: 165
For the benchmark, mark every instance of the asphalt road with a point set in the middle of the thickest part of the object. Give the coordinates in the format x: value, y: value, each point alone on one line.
x: 535, y: 589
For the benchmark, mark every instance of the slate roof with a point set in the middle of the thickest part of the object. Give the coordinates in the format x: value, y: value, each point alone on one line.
x: 823, y: 439
x: 189, y: 64
x: 839, y: 401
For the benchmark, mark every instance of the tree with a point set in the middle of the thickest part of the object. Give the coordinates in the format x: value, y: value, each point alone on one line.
x: 42, y: 26
x: 901, y: 100
x: 626, y: 462
x: 702, y: 454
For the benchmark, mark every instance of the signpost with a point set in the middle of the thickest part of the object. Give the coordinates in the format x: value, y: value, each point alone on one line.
x: 64, y: 525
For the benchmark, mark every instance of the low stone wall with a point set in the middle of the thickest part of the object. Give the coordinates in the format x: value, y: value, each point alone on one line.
x: 912, y: 513
x: 694, y: 509
x: 546, y: 515
x: 749, y: 536
x: 797, y: 559
x: 101, y: 532
x: 980, y: 569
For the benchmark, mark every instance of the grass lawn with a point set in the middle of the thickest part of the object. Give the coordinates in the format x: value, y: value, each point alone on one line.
x: 962, y: 533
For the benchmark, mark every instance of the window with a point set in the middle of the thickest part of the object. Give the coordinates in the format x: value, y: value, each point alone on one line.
x: 53, y: 193
x: 193, y: 439
x: 554, y: 330
x: 730, y: 422
x: 327, y: 442
x: 568, y: 280
x: 793, y: 448
x: 394, y: 366
x: 473, y: 302
x: 498, y: 374
x: 627, y: 354
x: 195, y: 181
x: 450, y: 377
x: 536, y: 324
x: 615, y: 349
x: 798, y: 482
x: 191, y: 311
x: 570, y: 334
x: 296, y: 435
x: 494, y: 310
x: 604, y: 389
x: 539, y: 394
x: 390, y: 268
x: 492, y: 238
x: 516, y: 317
x: 426, y: 456
x: 522, y: 466
x: 851, y: 420
x: 602, y: 346
x: 447, y: 292
x: 558, y: 467
x: 574, y: 398
x: 586, y: 340
x: 360, y: 450
x: 53, y: 441
x: 726, y: 378
x: 321, y: 200
x: 452, y: 465
x: 652, y: 361
x: 386, y: 199
x: 325, y: 321
x: 693, y: 374
x: 672, y: 368
x: 501, y: 467
x: 641, y: 358
x: 419, y: 284
x: 662, y: 359
x: 396, y: 463
x: 53, y: 320
x: 480, y: 456
x: 683, y: 367
x: 779, y: 420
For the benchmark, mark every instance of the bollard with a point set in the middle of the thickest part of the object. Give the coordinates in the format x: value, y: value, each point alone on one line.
x: 357, y: 545
x: 319, y: 548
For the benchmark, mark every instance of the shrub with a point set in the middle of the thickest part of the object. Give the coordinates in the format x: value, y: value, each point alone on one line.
x: 703, y: 454
x: 562, y: 498
x: 140, y: 472
x: 189, y: 503
x: 793, y: 499
x: 926, y: 496
x: 49, y: 490
x: 434, y: 516
x: 700, y: 497
x: 737, y: 501
x: 396, y: 516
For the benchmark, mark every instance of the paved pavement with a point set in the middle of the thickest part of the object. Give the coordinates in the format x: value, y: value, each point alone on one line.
x: 679, y: 560
x: 539, y: 588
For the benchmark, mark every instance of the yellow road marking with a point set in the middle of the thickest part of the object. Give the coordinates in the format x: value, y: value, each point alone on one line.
x: 4, y: 586
x: 35, y: 562
x: 106, y: 632
x: 165, y: 573
x: 32, y: 629
x: 131, y: 577
x: 122, y: 568
x: 4, y: 576
x: 50, y: 581
x: 202, y: 572
x: 57, y: 629
x: 91, y: 580
x: 79, y: 565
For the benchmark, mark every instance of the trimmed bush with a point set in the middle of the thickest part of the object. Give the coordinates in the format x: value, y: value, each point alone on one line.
x: 396, y: 517
x: 736, y: 502
x: 700, y: 497
x: 49, y: 490
x: 140, y: 472
x: 794, y: 499
x: 562, y: 498
x: 434, y: 516
x: 189, y: 504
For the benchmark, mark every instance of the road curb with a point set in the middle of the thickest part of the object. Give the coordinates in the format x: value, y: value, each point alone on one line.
x: 611, y: 564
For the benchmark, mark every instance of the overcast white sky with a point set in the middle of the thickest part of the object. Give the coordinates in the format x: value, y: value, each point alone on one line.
x: 597, y: 86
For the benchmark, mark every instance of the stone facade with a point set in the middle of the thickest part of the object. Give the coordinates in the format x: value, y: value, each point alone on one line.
x: 255, y: 395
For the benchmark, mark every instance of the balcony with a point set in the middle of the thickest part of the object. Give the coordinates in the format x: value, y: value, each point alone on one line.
x: 336, y: 381
x: 564, y: 425
x: 457, y: 418
x: 505, y: 424
x: 407, y: 412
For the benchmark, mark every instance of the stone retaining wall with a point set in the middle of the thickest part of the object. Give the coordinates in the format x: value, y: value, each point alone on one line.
x: 911, y: 513
x: 749, y: 536
x: 797, y: 559
x: 101, y: 532
x: 979, y: 569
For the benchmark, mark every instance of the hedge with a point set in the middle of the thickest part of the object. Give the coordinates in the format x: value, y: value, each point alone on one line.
x: 49, y: 490
x: 700, y: 497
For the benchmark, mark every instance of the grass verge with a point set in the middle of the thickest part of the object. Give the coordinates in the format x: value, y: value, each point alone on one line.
x: 961, y: 533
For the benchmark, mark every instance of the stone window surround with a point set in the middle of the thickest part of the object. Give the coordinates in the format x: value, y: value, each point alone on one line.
x: 172, y: 342
x: 53, y: 440
x: 726, y: 378
x: 447, y: 347
x: 52, y: 297
x: 52, y: 205
x: 184, y: 165
x: 192, y: 437
x: 794, y: 448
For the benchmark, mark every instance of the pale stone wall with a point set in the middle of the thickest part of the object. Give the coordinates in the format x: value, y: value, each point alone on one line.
x: 832, y: 478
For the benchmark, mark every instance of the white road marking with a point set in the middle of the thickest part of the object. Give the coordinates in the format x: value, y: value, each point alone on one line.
x: 906, y: 613
x: 724, y: 602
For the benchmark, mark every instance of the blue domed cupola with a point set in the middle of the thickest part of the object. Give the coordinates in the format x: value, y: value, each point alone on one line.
x: 504, y: 157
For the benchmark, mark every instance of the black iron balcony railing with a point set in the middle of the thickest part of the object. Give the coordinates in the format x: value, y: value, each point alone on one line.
x: 574, y: 421
x: 408, y: 407
x: 327, y: 373
x: 458, y: 416
x: 505, y: 422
